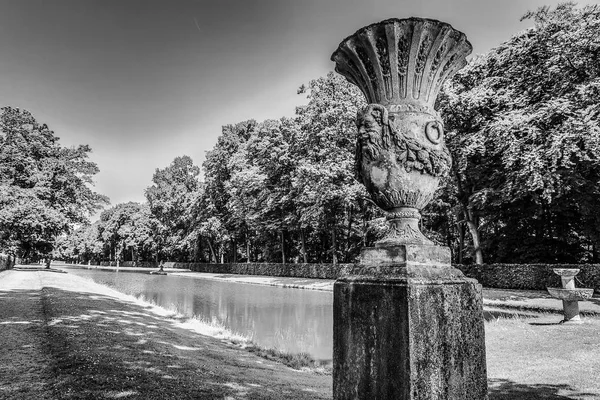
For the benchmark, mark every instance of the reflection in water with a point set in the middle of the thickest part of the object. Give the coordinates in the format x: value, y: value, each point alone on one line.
x: 294, y: 320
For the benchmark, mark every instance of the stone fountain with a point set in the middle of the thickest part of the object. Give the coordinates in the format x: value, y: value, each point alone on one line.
x: 406, y: 324
x: 569, y: 294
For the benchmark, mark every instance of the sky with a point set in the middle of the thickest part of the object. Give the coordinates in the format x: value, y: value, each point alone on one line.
x: 143, y: 82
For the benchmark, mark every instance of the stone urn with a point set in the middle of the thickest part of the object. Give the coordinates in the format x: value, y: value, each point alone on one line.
x: 407, y: 325
x: 400, y: 66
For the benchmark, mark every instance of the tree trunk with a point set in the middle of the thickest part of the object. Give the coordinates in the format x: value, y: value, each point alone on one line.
x: 471, y: 220
x: 213, y: 256
x: 282, y: 248
x: 323, y: 247
x: 247, y: 248
x: 461, y: 242
x: 195, y: 253
x: 118, y: 254
x: 303, y: 243
x: 333, y: 246
x: 347, y: 248
x: 234, y: 250
x: 473, y: 228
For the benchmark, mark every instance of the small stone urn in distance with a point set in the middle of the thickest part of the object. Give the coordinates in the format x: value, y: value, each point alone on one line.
x: 569, y: 294
x: 400, y: 66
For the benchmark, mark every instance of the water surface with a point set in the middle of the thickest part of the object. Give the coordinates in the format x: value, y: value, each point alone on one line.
x: 294, y: 320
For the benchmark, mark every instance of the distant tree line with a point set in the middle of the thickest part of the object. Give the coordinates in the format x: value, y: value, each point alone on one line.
x: 521, y: 123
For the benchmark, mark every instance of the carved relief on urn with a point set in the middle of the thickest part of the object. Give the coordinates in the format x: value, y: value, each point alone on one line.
x: 400, y: 66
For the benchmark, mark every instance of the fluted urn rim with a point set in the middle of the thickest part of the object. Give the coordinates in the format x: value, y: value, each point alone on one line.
x: 389, y: 20
x: 402, y: 61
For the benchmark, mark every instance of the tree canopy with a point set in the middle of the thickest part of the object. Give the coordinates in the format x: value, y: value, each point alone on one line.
x: 521, y: 123
x: 524, y: 135
x: 45, y: 189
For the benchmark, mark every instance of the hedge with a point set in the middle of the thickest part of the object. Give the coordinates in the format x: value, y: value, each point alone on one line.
x: 530, y: 276
x: 6, y: 262
x: 319, y: 271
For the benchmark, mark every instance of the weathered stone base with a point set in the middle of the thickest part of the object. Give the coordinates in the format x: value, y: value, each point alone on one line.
x: 417, y: 334
x: 571, y: 312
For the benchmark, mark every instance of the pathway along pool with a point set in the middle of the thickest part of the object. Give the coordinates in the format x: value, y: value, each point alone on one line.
x: 293, y: 320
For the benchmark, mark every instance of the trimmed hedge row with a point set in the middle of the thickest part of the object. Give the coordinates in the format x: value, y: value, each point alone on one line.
x: 530, y: 276
x: 319, y: 271
x: 5, y: 262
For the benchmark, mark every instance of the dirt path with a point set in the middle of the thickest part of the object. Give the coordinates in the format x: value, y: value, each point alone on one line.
x: 64, y: 337
x: 25, y: 365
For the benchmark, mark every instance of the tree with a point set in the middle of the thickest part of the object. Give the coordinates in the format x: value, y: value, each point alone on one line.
x: 260, y: 188
x: 128, y: 226
x: 28, y: 225
x: 84, y: 244
x: 171, y: 199
x: 217, y: 172
x: 523, y: 131
x: 44, y: 188
x: 327, y: 193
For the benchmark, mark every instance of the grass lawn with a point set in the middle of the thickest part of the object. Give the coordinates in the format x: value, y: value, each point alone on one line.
x: 63, y: 337
x: 534, y: 357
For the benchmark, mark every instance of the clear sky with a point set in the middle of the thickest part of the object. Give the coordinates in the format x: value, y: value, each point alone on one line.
x: 143, y: 82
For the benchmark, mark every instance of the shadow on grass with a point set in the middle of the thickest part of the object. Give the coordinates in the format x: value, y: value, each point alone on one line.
x: 595, y: 300
x: 558, y: 322
x: 491, y: 315
x: 97, y: 346
x: 502, y: 389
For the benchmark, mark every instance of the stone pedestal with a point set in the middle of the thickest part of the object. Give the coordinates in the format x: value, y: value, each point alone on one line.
x: 571, y: 311
x: 569, y: 294
x: 408, y: 326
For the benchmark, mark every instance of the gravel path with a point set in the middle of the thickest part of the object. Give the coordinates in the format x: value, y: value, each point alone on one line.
x: 25, y: 365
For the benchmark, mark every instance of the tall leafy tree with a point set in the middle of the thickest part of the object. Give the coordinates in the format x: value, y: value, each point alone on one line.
x: 329, y: 198
x: 84, y: 244
x: 128, y: 232
x: 260, y: 189
x: 45, y: 189
x: 217, y: 173
x: 171, y: 199
x: 525, y: 139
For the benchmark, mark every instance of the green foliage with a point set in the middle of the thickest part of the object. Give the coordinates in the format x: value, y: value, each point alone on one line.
x: 44, y: 188
x: 521, y: 124
x: 524, y: 135
x: 171, y: 200
x: 324, y: 177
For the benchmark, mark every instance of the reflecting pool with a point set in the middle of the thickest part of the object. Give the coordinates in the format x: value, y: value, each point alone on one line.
x: 294, y: 320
